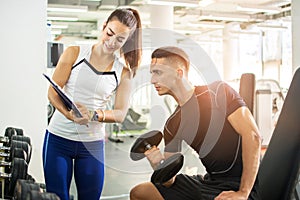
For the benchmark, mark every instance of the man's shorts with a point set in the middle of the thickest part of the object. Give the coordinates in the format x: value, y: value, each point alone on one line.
x: 196, y: 187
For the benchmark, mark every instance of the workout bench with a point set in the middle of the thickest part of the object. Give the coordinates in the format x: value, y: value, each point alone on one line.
x: 279, y: 170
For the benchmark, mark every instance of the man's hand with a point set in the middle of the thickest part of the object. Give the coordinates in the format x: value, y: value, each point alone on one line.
x: 232, y: 195
x: 154, y: 156
x: 170, y: 182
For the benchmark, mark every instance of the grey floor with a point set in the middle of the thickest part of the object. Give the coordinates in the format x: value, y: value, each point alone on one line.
x: 121, y: 173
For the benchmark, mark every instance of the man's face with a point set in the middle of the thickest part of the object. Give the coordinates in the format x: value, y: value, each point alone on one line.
x: 163, y: 76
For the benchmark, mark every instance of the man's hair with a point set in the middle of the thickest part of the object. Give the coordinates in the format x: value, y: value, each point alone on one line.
x: 172, y: 52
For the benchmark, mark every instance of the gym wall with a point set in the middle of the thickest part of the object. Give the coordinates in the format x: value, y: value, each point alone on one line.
x: 23, y: 39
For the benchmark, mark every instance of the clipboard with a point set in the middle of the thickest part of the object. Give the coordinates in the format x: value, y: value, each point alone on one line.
x: 65, y: 99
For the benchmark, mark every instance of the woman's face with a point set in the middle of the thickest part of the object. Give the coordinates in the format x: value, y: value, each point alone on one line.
x: 114, y: 35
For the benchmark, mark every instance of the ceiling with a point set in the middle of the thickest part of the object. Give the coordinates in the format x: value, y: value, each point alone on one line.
x: 195, y: 16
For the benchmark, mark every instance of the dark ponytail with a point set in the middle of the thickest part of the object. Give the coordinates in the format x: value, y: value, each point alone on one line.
x: 132, y: 48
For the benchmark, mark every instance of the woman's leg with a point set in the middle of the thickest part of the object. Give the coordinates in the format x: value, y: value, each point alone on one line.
x: 89, y: 170
x: 58, y: 165
x: 145, y: 191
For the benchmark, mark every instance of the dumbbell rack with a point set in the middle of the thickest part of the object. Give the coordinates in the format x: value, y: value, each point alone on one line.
x: 11, y: 144
x: 2, y: 180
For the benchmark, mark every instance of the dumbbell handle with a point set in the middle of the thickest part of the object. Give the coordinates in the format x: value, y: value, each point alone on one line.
x: 147, y: 146
x: 5, y: 175
x: 162, y: 161
x: 2, y: 154
x: 4, y: 163
x: 4, y: 139
x: 4, y: 148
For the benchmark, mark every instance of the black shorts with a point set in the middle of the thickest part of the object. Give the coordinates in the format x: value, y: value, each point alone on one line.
x: 196, y: 187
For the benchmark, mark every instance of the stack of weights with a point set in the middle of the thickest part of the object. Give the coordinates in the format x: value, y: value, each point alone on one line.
x: 15, y: 152
x: 15, y: 155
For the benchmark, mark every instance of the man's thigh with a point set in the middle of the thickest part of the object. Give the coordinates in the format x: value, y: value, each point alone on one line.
x: 184, y: 187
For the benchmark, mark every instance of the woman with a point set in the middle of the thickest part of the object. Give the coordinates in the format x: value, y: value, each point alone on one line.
x: 90, y: 75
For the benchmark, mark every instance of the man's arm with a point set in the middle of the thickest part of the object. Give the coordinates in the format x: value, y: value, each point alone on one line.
x: 243, y: 122
x: 154, y: 156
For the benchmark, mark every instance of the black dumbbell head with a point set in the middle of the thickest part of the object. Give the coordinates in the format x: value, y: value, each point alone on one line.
x: 9, y: 131
x: 21, y: 138
x: 152, y: 138
x: 19, y: 131
x: 19, y: 153
x: 33, y: 195
x: 23, y: 187
x: 18, y: 171
x: 168, y: 169
x: 23, y: 145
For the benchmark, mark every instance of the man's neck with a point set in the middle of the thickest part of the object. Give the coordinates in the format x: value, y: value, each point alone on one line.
x: 184, y: 93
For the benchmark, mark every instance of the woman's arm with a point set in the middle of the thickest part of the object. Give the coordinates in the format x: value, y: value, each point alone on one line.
x: 121, y: 103
x: 61, y: 76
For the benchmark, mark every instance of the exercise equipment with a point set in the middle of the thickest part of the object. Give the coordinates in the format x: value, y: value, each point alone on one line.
x: 19, y: 169
x: 143, y: 143
x: 23, y: 186
x: 167, y: 168
x: 6, y: 140
x: 24, y: 139
x: 247, y: 89
x: 10, y: 131
x: 269, y: 101
x: 35, y: 194
x: 8, y: 152
x: 8, y: 165
x: 50, y: 111
x: 131, y: 122
x: 283, y: 151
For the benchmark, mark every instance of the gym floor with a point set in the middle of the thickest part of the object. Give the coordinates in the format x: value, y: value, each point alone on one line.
x: 122, y: 173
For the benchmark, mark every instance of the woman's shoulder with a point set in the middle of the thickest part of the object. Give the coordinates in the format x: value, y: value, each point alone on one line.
x: 72, y: 49
x: 120, y: 64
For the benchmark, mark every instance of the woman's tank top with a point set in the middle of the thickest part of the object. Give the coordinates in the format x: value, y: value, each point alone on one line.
x: 92, y: 88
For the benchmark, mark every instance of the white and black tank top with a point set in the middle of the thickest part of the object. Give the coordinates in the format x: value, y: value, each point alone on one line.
x: 92, y: 88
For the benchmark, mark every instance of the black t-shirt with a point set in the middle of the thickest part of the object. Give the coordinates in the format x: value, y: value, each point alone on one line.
x: 202, y: 123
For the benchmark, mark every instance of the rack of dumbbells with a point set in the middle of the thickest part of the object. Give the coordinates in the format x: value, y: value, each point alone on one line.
x: 15, y: 155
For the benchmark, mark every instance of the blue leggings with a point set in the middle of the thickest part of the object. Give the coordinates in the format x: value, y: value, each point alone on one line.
x: 58, y: 156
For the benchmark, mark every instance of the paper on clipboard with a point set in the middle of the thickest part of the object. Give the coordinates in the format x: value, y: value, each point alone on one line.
x: 65, y: 99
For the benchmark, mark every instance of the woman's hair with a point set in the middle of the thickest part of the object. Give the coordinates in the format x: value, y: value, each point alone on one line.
x: 132, y: 48
x: 171, y: 53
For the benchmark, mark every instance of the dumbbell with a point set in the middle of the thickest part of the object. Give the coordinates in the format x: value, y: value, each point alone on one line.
x: 17, y: 149
x: 23, y: 186
x: 10, y: 131
x: 8, y: 152
x: 34, y: 195
x: 19, y: 169
x: 5, y: 140
x: 24, y: 139
x: 167, y: 168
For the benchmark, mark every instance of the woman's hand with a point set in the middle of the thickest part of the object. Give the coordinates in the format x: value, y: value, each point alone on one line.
x: 86, y: 115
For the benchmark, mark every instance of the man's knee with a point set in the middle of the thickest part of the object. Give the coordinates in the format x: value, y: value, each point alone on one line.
x: 145, y: 191
x: 136, y: 192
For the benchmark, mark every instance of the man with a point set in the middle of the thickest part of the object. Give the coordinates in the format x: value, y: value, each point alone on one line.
x: 212, y: 119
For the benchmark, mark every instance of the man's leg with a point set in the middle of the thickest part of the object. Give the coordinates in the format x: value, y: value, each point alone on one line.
x: 145, y: 191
